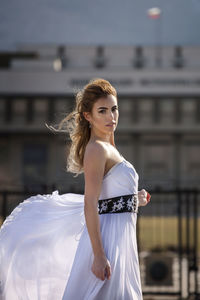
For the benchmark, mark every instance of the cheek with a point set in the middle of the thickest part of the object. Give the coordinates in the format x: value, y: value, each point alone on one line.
x: 98, y: 118
x: 117, y: 115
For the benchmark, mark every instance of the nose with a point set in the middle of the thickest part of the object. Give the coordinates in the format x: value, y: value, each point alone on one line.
x: 111, y: 116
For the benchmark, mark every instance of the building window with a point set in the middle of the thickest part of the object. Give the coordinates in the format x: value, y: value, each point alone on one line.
x: 2, y: 110
x: 61, y: 55
x: 34, y: 165
x: 100, y: 60
x: 178, y: 111
x: 126, y: 115
x: 135, y: 107
x: 178, y: 60
x: 191, y: 163
x: 188, y: 110
x: 139, y: 60
x: 156, y: 111
x: 40, y: 110
x: 8, y: 110
x: 19, y: 110
x: 4, y: 163
x: 146, y: 110
x: 155, y: 169
x: 62, y: 107
x: 197, y: 111
x: 30, y: 114
x: 167, y: 111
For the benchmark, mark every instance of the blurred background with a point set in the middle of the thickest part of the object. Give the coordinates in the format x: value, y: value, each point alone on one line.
x: 150, y: 51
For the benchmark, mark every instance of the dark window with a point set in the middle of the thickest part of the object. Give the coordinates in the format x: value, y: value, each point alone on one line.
x: 139, y: 59
x: 35, y: 166
x: 100, y: 60
x: 178, y: 60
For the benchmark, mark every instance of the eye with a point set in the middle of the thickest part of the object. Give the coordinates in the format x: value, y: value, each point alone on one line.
x: 114, y: 108
x: 102, y: 111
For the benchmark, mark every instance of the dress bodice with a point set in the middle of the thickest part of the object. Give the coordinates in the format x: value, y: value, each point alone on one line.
x: 121, y: 179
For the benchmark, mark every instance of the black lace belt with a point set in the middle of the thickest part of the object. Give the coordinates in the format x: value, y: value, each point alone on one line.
x: 125, y: 203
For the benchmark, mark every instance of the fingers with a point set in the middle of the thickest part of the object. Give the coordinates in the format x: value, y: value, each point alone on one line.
x: 144, y: 197
x: 108, y: 271
x: 102, y: 275
x: 105, y: 274
x: 143, y: 192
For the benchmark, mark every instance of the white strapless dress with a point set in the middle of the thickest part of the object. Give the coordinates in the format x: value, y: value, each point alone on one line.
x: 46, y: 253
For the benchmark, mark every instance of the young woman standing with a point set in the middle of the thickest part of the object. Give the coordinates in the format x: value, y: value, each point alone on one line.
x: 72, y: 246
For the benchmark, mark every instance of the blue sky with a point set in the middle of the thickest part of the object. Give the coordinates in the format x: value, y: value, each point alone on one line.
x: 97, y: 22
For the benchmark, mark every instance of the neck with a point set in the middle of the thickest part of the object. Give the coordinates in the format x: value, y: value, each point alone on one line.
x: 108, y: 138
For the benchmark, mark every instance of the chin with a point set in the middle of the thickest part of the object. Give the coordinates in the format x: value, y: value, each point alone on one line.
x: 111, y: 129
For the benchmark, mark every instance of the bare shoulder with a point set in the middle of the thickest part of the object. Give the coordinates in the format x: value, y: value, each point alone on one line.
x: 95, y: 151
x: 94, y: 167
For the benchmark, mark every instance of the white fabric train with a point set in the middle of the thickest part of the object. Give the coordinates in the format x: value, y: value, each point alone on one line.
x: 46, y: 254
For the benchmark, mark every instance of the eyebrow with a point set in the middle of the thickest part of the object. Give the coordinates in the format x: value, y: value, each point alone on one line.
x: 102, y: 107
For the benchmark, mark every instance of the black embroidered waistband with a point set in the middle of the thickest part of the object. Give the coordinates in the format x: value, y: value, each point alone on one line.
x: 125, y: 203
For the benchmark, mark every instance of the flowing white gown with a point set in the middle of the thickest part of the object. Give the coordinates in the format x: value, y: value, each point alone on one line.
x: 46, y: 253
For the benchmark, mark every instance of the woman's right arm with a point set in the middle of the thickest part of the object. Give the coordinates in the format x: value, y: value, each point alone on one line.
x: 94, y: 165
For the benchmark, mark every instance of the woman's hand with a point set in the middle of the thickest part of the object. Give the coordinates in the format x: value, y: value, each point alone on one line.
x: 143, y: 197
x: 101, y: 267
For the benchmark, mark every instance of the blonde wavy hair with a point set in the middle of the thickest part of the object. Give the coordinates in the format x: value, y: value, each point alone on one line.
x: 76, y: 124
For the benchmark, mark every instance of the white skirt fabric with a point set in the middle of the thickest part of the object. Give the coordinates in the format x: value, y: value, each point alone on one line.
x: 46, y: 253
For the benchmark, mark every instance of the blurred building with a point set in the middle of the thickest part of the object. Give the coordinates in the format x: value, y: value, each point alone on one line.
x: 159, y: 127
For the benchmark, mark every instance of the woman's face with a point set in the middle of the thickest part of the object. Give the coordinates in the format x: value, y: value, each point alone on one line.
x: 104, y: 114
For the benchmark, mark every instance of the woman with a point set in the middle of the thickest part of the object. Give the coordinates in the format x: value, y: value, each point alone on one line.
x: 80, y: 247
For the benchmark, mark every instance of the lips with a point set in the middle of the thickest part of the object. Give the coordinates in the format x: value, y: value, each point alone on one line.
x: 111, y: 125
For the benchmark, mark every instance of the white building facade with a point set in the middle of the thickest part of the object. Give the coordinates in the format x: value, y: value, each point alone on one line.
x: 159, y: 106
